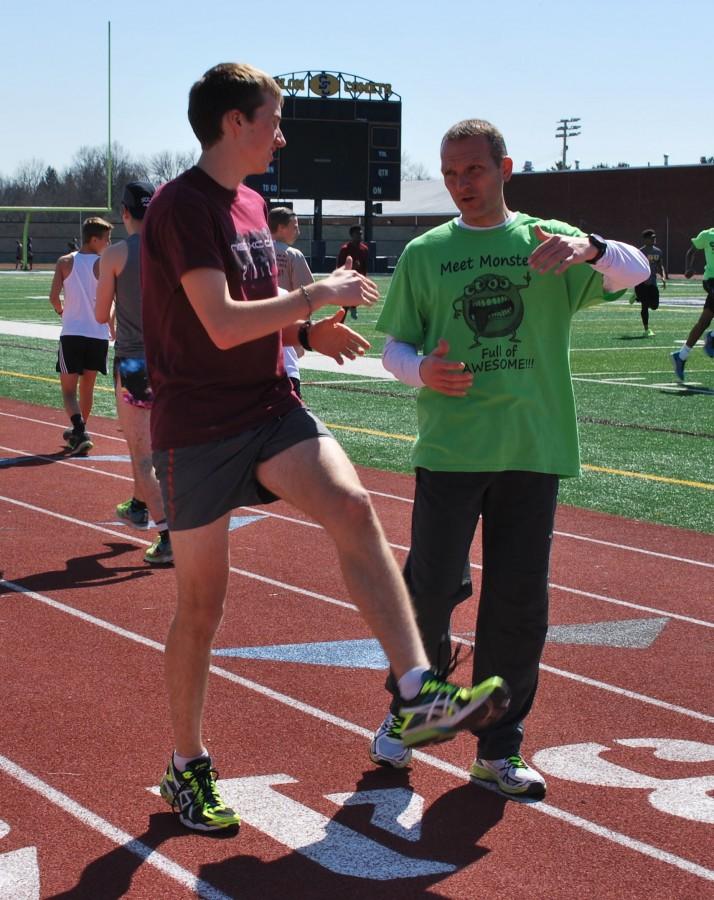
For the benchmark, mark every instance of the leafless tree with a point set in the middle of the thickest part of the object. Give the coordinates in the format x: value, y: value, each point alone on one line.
x: 413, y: 171
x: 29, y: 174
x: 166, y: 165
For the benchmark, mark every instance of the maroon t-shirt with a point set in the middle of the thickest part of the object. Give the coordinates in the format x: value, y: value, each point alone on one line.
x: 203, y: 393
x: 358, y: 252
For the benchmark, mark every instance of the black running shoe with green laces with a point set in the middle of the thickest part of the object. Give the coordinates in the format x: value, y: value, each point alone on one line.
x: 79, y: 444
x: 194, y: 795
x: 442, y: 709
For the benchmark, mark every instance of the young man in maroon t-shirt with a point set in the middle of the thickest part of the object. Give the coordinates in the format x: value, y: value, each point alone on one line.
x: 227, y: 429
x: 358, y: 253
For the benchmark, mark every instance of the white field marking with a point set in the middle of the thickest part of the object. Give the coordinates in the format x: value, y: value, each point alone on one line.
x: 363, y: 380
x: 119, y: 837
x: 581, y: 537
x: 20, y: 874
x: 660, y: 348
x: 108, y: 437
x: 663, y: 704
x: 619, y: 374
x: 321, y: 714
x: 692, y: 387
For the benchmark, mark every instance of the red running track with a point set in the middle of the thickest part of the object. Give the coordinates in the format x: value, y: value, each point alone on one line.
x: 624, y: 732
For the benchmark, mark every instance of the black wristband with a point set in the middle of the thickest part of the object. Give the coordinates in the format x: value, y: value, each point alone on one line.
x: 600, y: 245
x: 304, y: 335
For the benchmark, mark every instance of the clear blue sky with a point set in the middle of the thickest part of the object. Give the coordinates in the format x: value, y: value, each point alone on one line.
x: 637, y: 73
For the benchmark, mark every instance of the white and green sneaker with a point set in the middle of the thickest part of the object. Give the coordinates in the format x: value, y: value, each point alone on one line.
x: 512, y: 774
x: 387, y: 747
x: 441, y: 709
x: 194, y: 795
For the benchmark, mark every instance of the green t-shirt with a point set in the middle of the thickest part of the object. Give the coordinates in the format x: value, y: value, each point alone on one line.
x: 511, y: 326
x: 705, y: 241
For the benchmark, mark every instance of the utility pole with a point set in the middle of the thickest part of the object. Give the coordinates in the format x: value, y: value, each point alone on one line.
x: 566, y: 129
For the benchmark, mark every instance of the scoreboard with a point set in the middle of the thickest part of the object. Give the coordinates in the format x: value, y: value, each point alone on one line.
x: 337, y: 149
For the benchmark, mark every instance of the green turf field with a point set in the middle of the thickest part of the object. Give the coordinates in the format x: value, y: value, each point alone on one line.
x: 646, y: 441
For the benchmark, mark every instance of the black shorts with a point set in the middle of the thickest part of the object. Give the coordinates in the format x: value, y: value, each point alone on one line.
x: 648, y: 295
x: 708, y: 285
x: 77, y: 353
x: 199, y: 484
x: 131, y: 376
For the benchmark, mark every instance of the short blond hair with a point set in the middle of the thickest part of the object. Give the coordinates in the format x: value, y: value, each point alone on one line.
x: 95, y: 227
x: 224, y: 87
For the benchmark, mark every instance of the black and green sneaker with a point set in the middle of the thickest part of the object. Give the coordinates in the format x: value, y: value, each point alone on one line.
x: 442, y: 709
x: 194, y: 795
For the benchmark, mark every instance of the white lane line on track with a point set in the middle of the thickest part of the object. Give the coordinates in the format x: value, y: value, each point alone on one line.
x: 116, y: 835
x: 324, y: 598
x: 611, y: 688
x: 67, y: 462
x: 690, y: 620
x: 132, y: 537
x: 562, y: 815
x: 584, y: 537
x: 269, y: 514
x: 407, y: 500
x: 604, y: 599
x: 108, y: 437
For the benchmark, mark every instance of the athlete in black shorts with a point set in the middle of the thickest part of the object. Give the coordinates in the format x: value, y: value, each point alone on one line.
x: 647, y: 293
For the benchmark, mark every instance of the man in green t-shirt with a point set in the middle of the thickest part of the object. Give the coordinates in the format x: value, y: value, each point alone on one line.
x: 478, y: 317
x: 703, y: 241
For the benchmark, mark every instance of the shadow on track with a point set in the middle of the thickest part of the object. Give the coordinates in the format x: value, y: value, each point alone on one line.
x: 84, y: 571
x: 451, y: 831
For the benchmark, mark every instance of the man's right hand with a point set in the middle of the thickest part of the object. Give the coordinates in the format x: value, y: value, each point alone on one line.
x: 443, y: 375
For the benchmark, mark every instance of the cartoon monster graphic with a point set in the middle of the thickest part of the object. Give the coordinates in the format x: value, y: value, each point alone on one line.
x: 492, y: 306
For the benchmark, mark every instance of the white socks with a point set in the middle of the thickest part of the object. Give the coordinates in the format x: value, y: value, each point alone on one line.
x: 181, y: 762
x: 410, y: 682
x: 685, y: 351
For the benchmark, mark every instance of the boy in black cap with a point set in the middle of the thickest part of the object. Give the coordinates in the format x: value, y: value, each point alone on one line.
x: 119, y: 298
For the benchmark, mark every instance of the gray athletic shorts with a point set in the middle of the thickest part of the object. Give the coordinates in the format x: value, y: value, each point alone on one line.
x: 203, y: 482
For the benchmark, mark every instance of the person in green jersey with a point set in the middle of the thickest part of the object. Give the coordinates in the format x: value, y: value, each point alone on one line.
x: 478, y: 317
x: 703, y: 241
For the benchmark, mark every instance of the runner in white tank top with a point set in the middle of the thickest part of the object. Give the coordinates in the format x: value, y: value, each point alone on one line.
x: 84, y: 343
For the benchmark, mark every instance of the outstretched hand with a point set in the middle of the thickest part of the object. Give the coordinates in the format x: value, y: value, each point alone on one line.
x: 558, y: 252
x: 331, y: 337
x: 443, y: 375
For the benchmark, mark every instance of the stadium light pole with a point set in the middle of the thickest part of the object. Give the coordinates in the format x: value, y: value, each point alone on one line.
x: 567, y: 128
x: 109, y: 115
